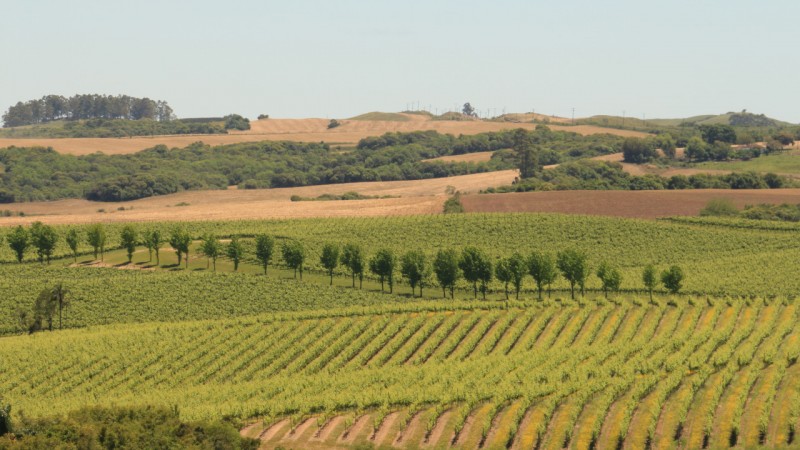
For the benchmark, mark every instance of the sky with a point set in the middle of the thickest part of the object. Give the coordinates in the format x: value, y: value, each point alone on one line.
x: 337, y: 59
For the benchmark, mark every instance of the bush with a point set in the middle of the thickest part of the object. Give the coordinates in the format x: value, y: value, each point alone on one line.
x: 236, y: 122
x: 635, y: 150
x: 453, y: 204
x: 720, y: 207
x: 333, y: 124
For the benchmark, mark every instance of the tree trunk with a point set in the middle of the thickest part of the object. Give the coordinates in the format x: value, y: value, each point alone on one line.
x: 444, y: 292
x: 360, y: 281
x: 475, y: 289
x: 506, y: 291
x: 452, y: 292
x: 331, y: 274
x: 381, y: 284
x: 354, y: 280
x: 215, y: 265
x: 572, y: 290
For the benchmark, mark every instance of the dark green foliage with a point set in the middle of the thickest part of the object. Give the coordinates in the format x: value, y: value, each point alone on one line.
x: 236, y: 122
x: 511, y: 270
x: 43, y: 238
x: 636, y: 150
x: 602, y: 175
x: 211, y: 248
x: 234, y: 251
x: 73, y: 240
x: 129, y: 239
x: 542, y: 267
x: 666, y: 143
x: 334, y: 124
x: 330, y: 258
x: 527, y: 154
x: 19, y: 240
x: 294, y: 256
x: 383, y: 266
x: 86, y: 106
x: 414, y: 267
x: 453, y: 204
x: 5, y: 419
x: 125, y: 428
x: 672, y: 279
x: 180, y: 240
x: 153, y: 241
x: 476, y: 267
x: 574, y: 267
x: 96, y: 237
x: 445, y: 266
x: 353, y: 258
x: 264, y: 249
x: 502, y: 272
x: 649, y: 279
x: 718, y: 132
x: 783, y: 212
x: 720, y: 207
x: 610, y: 277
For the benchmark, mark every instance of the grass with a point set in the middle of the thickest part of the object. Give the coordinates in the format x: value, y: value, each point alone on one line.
x: 382, y: 116
x: 781, y: 163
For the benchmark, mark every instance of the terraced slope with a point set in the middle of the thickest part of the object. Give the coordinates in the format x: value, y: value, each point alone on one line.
x: 445, y: 375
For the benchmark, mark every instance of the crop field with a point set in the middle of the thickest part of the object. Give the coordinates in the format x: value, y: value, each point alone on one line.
x: 299, y: 130
x: 639, y: 204
x: 781, y: 163
x: 301, y: 364
x: 464, y: 375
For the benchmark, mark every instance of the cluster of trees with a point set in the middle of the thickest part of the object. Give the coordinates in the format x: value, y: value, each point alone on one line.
x: 49, y: 302
x: 86, y: 106
x: 108, y: 128
x: 603, y: 175
x: 120, y: 427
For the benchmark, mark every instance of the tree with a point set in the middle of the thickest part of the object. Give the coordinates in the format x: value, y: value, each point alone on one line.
x: 610, y: 278
x: 718, y: 132
x: 45, y: 307
x: 73, y: 239
x: 19, y: 241
x: 44, y: 239
x: 294, y: 255
x: 526, y: 154
x: 333, y: 124
x: 445, y: 266
x: 696, y: 149
x: 236, y: 122
x: 672, y: 279
x: 330, y: 259
x: 468, y: 110
x: 180, y: 240
x: 383, y: 265
x: 210, y: 247
x: 518, y: 267
x: 353, y: 258
x: 667, y: 145
x: 502, y: 272
x: 414, y: 268
x: 637, y: 151
x: 542, y: 267
x: 96, y: 236
x: 129, y: 239
x: 264, y: 248
x: 5, y: 417
x: 154, y: 241
x: 649, y: 279
x: 476, y: 267
x: 235, y: 251
x: 574, y: 266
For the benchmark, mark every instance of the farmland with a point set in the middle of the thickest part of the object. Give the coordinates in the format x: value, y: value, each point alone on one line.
x: 298, y: 130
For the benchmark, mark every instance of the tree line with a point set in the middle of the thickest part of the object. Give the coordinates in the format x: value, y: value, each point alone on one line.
x: 86, y: 106
x: 449, y: 266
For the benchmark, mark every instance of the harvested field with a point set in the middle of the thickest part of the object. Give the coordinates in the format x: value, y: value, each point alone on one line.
x: 640, y: 204
x: 466, y: 157
x: 302, y: 130
x: 413, y: 197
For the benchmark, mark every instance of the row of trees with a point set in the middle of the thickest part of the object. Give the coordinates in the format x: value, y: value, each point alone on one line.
x: 86, y: 106
x: 448, y: 266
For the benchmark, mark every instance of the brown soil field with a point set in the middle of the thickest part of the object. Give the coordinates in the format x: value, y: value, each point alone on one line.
x: 412, y: 197
x: 638, y: 204
x: 466, y: 157
x: 302, y: 130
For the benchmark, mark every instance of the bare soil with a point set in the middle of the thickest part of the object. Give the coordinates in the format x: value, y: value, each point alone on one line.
x: 638, y: 204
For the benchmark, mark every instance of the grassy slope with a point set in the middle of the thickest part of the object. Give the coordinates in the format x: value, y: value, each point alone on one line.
x: 782, y: 163
x: 382, y: 116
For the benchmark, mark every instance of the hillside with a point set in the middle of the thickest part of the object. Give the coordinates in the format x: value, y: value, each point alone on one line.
x: 742, y: 119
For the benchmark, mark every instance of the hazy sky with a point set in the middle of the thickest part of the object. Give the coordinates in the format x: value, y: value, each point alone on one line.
x: 303, y: 58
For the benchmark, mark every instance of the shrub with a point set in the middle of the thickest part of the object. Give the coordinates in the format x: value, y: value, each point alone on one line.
x: 720, y: 207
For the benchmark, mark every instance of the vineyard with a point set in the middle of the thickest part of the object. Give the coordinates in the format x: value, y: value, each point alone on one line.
x: 693, y: 374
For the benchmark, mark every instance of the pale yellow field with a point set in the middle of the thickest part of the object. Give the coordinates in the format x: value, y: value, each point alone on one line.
x: 411, y: 197
x: 301, y: 130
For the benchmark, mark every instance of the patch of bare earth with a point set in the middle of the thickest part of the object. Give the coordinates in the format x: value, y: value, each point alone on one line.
x: 412, y: 197
x: 299, y: 130
x: 638, y: 204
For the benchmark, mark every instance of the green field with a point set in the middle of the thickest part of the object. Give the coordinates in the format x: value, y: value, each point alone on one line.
x: 715, y: 364
x: 782, y: 163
